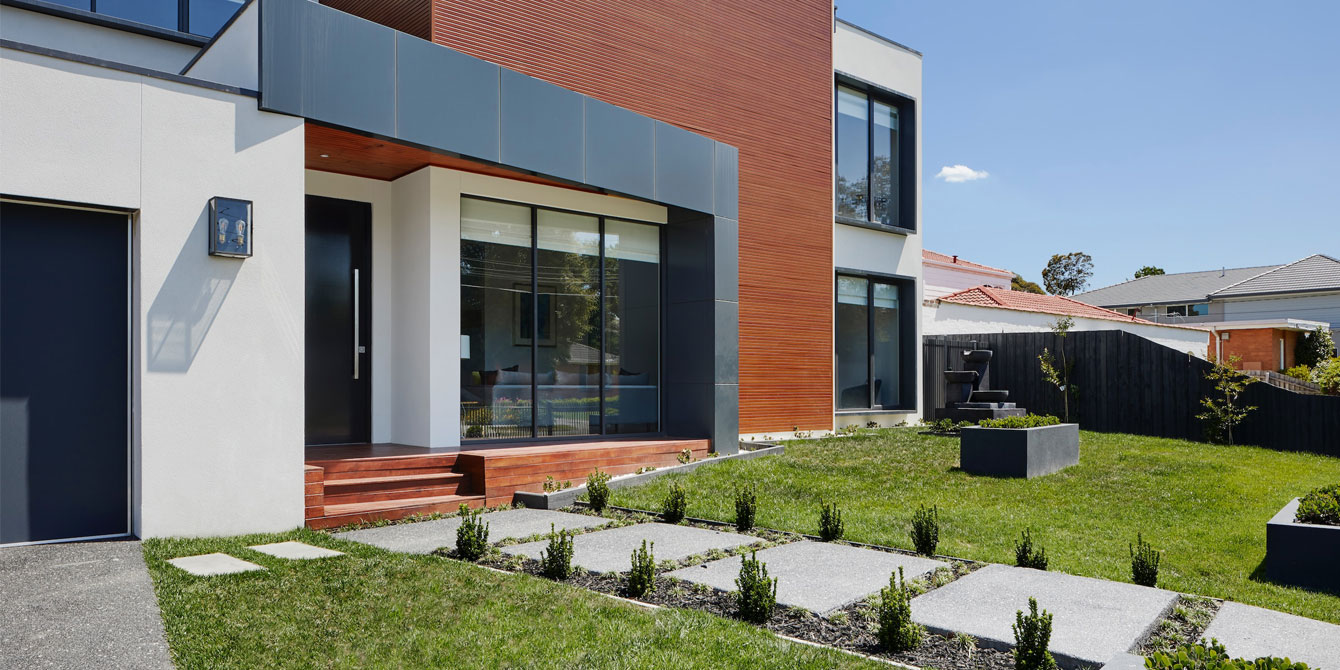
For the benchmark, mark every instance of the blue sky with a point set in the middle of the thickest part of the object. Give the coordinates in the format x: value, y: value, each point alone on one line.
x: 1189, y: 135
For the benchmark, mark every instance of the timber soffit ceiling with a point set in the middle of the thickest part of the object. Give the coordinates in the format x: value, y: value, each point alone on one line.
x: 335, y: 68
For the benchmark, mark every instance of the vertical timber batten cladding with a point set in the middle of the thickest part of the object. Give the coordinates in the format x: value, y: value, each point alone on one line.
x: 755, y: 75
x: 407, y: 16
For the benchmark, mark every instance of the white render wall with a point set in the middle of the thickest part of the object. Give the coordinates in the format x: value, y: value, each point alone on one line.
x: 416, y: 286
x: 947, y: 318
x: 217, y: 440
x: 86, y: 39
x: 885, y: 64
x: 942, y: 279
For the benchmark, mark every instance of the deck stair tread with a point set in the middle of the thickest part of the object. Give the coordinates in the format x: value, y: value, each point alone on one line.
x: 391, y: 481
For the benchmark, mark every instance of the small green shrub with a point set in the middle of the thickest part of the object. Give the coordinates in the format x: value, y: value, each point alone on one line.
x: 556, y: 561
x: 685, y: 457
x: 472, y: 536
x: 830, y: 523
x: 598, y: 490
x: 1144, y: 563
x: 926, y: 530
x: 642, y: 578
x: 894, y: 612
x: 1320, y: 506
x: 757, y: 595
x: 1214, y: 657
x: 746, y: 506
x: 1028, y: 556
x: 1302, y: 372
x: 675, y: 504
x: 1327, y: 375
x: 1032, y: 634
x: 1026, y: 421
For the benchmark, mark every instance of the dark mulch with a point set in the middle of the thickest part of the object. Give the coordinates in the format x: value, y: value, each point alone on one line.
x: 851, y: 628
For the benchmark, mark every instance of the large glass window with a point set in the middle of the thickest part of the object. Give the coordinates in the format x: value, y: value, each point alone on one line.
x: 586, y: 313
x: 869, y: 158
x: 871, y: 343
x: 201, y: 17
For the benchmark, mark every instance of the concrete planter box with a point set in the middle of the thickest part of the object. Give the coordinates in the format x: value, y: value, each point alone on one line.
x: 1019, y: 452
x: 1302, y: 554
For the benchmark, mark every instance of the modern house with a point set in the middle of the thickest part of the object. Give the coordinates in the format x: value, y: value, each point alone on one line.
x: 945, y: 274
x: 1256, y: 313
x: 283, y: 262
x: 986, y: 309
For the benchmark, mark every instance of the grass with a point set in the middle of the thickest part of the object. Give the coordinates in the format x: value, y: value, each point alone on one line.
x: 376, y: 609
x: 1204, y: 506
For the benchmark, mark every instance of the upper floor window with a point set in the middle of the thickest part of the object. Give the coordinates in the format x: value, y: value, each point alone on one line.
x: 197, y: 17
x: 1193, y: 309
x: 875, y: 164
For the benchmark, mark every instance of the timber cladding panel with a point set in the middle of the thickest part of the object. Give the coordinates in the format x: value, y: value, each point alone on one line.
x: 756, y: 75
x: 407, y: 16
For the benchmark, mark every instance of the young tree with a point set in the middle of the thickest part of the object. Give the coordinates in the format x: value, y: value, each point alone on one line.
x: 1222, y: 411
x: 1314, y: 348
x: 1149, y: 271
x: 1059, y: 376
x: 1067, y: 274
x: 1021, y: 284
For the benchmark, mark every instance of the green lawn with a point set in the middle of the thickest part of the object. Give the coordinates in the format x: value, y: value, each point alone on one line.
x: 1204, y: 505
x: 375, y: 609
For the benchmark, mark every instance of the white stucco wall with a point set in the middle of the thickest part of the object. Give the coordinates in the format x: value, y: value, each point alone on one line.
x: 86, y: 39
x: 885, y: 64
x: 217, y: 439
x: 233, y: 58
x: 948, y: 318
x: 941, y: 280
x: 1324, y: 307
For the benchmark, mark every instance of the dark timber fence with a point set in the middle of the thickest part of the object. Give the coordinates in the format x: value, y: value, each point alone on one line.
x: 1125, y: 383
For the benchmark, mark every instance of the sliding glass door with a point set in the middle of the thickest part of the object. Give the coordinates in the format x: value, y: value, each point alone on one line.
x: 872, y: 335
x: 562, y: 308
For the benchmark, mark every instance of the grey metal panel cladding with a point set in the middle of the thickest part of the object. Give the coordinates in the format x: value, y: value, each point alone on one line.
x: 727, y: 184
x: 726, y: 256
x: 282, y: 38
x: 620, y: 149
x: 349, y: 71
x: 446, y: 99
x: 541, y: 127
x: 685, y: 164
x: 726, y: 340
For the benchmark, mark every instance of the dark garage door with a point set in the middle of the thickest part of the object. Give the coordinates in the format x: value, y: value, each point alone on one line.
x: 64, y: 310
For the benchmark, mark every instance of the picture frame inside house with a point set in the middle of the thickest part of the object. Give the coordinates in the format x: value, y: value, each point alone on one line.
x: 230, y: 227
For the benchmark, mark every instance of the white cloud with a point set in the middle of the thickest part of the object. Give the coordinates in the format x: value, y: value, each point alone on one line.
x: 955, y: 174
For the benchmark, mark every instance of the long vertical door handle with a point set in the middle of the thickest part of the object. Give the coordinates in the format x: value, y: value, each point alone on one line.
x: 356, y: 343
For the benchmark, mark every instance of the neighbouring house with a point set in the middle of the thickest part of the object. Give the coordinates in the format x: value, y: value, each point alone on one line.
x: 986, y: 309
x: 1256, y: 313
x: 278, y: 262
x: 944, y: 274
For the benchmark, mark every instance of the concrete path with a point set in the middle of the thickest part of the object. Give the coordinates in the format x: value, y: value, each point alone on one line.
x: 611, y: 550
x: 1251, y: 632
x: 818, y: 576
x: 1093, y: 619
x: 78, y: 606
x: 424, y: 537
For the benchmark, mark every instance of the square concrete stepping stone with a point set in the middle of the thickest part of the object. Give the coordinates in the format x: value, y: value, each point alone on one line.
x: 1252, y: 632
x: 209, y: 565
x: 611, y: 550
x: 296, y: 551
x: 1093, y: 619
x: 818, y: 576
x: 424, y: 537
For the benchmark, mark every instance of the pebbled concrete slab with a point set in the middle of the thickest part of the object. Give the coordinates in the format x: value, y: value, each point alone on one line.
x: 295, y: 551
x: 818, y: 576
x: 1252, y: 632
x: 79, y: 605
x: 212, y: 565
x: 611, y: 550
x: 426, y: 536
x: 1093, y: 619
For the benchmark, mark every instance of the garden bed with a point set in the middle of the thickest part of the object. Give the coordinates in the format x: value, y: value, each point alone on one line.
x: 1019, y: 452
x: 1302, y: 554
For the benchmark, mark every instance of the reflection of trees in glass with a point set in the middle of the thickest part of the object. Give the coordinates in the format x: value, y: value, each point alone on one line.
x: 851, y: 197
x: 882, y: 193
x: 576, y: 314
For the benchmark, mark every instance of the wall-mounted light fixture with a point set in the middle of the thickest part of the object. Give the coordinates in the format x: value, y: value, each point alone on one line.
x: 229, y: 227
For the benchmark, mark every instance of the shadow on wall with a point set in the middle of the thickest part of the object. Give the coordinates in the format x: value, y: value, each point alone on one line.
x: 188, y: 301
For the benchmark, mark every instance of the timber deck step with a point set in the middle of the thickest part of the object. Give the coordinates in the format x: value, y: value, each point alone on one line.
x: 391, y: 510
x: 352, y: 485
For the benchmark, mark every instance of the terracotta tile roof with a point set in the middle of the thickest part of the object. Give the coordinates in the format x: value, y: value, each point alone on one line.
x: 927, y: 254
x: 986, y: 296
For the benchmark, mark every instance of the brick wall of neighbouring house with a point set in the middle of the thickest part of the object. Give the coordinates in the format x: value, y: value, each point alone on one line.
x: 1259, y: 348
x: 756, y: 75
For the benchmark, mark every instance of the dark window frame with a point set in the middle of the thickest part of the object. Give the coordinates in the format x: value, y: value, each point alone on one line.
x: 907, y: 335
x: 181, y: 33
x: 604, y: 433
x: 906, y: 160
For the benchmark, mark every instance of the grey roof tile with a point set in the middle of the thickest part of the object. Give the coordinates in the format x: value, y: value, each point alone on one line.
x: 1317, y: 272
x: 1181, y: 287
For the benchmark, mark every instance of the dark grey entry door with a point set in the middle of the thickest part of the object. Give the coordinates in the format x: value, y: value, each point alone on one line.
x: 339, y: 321
x: 64, y: 371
